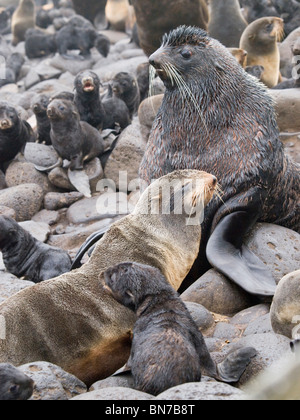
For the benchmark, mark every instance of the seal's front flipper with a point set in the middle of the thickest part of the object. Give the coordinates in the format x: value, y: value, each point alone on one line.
x: 226, y: 252
x: 233, y: 367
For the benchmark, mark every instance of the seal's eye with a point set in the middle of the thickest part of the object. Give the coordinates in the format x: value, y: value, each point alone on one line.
x: 269, y: 27
x: 186, y: 53
x: 61, y: 108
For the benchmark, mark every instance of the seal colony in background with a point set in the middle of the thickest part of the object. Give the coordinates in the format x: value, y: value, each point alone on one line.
x: 214, y: 117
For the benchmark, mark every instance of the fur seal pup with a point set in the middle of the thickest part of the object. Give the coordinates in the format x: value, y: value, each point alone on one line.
x: 152, y: 24
x: 14, y: 133
x: 74, y: 140
x: 226, y: 22
x: 260, y: 40
x: 227, y: 127
x: 87, y: 99
x: 14, y: 385
x: 14, y: 64
x: 125, y: 87
x: 22, y: 19
x: 167, y: 349
x: 39, y: 44
x: 83, y: 329
x: 39, y: 107
x: 25, y: 256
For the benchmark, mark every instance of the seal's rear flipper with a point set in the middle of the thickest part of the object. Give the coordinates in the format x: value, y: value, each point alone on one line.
x: 226, y: 252
x: 233, y: 367
x: 91, y: 240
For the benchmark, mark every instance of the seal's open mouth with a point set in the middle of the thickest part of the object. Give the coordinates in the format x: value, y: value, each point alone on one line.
x: 88, y: 86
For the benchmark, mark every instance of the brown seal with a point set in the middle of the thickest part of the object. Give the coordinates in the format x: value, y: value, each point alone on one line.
x: 167, y: 349
x: 22, y: 19
x: 226, y: 22
x: 155, y: 18
x: 260, y: 41
x: 216, y: 117
x: 70, y: 321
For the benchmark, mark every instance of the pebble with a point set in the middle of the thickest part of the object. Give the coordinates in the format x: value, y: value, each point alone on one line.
x: 114, y: 394
x: 52, y: 383
x: 56, y: 201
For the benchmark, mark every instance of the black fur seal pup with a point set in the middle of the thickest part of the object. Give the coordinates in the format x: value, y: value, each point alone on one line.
x: 216, y: 117
x: 14, y: 133
x: 39, y: 106
x: 14, y: 385
x: 39, y: 44
x: 74, y: 140
x: 87, y: 98
x: 13, y: 64
x: 167, y: 348
x: 125, y: 87
x: 25, y: 256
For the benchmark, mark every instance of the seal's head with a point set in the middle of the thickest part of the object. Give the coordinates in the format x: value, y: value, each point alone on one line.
x: 264, y: 33
x: 40, y: 104
x: 62, y: 110
x: 8, y: 117
x: 14, y: 385
x: 87, y: 82
x: 8, y: 231
x: 102, y: 43
x: 130, y: 283
x: 123, y: 83
x: 183, y: 194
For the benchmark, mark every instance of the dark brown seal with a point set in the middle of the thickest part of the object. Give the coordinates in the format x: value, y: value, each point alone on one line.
x: 167, y: 349
x: 22, y: 19
x: 155, y: 18
x: 226, y: 22
x: 25, y: 256
x: 14, y: 385
x: 216, y: 117
x: 260, y: 40
x: 74, y: 140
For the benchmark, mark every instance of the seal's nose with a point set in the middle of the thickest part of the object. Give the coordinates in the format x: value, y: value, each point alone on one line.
x: 214, y: 181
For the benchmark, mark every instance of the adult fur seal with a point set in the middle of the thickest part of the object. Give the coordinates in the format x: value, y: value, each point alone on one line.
x: 226, y: 22
x: 14, y: 385
x: 22, y: 19
x: 152, y: 23
x: 14, y: 133
x: 83, y: 329
x: 260, y: 41
x: 74, y: 140
x: 25, y: 256
x: 167, y: 349
x: 216, y: 117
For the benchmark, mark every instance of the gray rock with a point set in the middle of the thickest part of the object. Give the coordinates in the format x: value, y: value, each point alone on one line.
x: 25, y: 173
x: 39, y: 231
x: 123, y: 381
x: 202, y: 391
x: 285, y: 309
x: 114, y: 394
x: 97, y: 208
x: 51, y: 382
x: 59, y: 178
x: 287, y: 105
x: 40, y: 154
x: 147, y: 113
x: 127, y: 156
x: 6, y: 211
x: 10, y: 285
x: 270, y: 348
x: 202, y: 317
x: 49, y: 87
x: 50, y: 217
x: 25, y: 199
x: 249, y: 315
x: 72, y: 66
x: 217, y: 294
x: 108, y: 72
x: 56, y: 201
x: 277, y: 247
x: 261, y: 325
x: 226, y: 331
